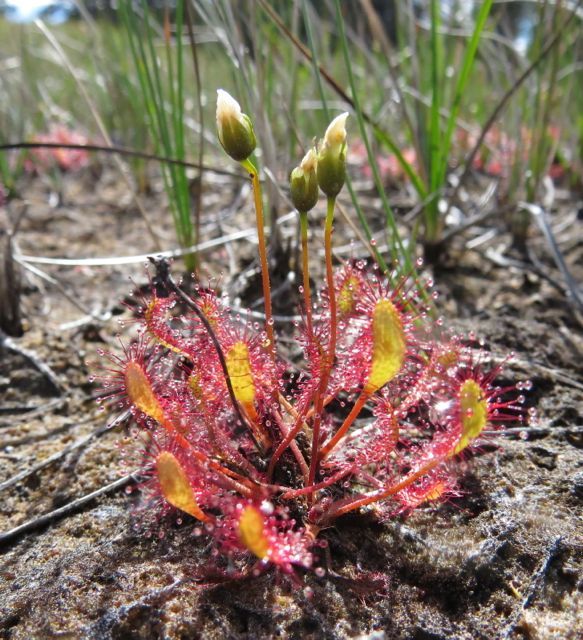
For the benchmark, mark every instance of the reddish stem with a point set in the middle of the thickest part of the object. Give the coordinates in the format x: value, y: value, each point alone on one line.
x: 340, y: 508
x: 306, y: 271
x: 296, y: 493
x: 328, y: 362
x: 284, y: 444
x: 356, y: 409
x: 294, y: 447
x: 237, y: 482
x: 254, y: 175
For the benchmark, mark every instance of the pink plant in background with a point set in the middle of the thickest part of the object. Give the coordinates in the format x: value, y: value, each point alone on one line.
x: 499, y: 153
x: 66, y: 159
x: 389, y: 167
x: 266, y: 456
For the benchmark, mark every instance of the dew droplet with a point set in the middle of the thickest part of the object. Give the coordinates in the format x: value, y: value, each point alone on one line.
x: 266, y: 507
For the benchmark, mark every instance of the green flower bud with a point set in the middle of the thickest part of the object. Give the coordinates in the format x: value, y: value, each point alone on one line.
x: 234, y: 128
x: 332, y: 157
x: 304, y: 183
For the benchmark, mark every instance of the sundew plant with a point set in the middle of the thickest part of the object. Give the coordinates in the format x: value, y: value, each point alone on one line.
x: 265, y: 457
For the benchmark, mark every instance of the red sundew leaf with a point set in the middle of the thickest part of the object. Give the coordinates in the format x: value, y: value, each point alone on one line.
x: 371, y: 444
x: 469, y: 403
x: 433, y: 489
x: 160, y: 491
x: 349, y: 284
x: 137, y: 357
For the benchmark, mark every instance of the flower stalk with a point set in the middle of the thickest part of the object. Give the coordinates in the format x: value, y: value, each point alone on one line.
x: 328, y: 361
x: 262, y: 247
x: 237, y: 137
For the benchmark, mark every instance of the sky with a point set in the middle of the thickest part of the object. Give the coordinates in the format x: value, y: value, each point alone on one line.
x: 25, y: 10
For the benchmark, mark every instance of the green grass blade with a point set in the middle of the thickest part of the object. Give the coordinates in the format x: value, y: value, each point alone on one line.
x: 307, y: 53
x: 395, y: 242
x: 360, y: 214
x: 164, y: 103
x: 436, y: 74
x: 460, y: 87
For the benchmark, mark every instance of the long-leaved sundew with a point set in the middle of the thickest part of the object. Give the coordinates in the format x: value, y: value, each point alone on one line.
x: 375, y: 418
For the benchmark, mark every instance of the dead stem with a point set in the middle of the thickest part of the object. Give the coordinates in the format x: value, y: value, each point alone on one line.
x: 163, y: 273
x: 36, y: 523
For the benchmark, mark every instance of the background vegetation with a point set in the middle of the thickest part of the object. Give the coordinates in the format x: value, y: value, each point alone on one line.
x: 440, y: 93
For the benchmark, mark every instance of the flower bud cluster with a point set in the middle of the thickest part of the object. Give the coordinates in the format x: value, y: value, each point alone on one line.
x: 324, y: 167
